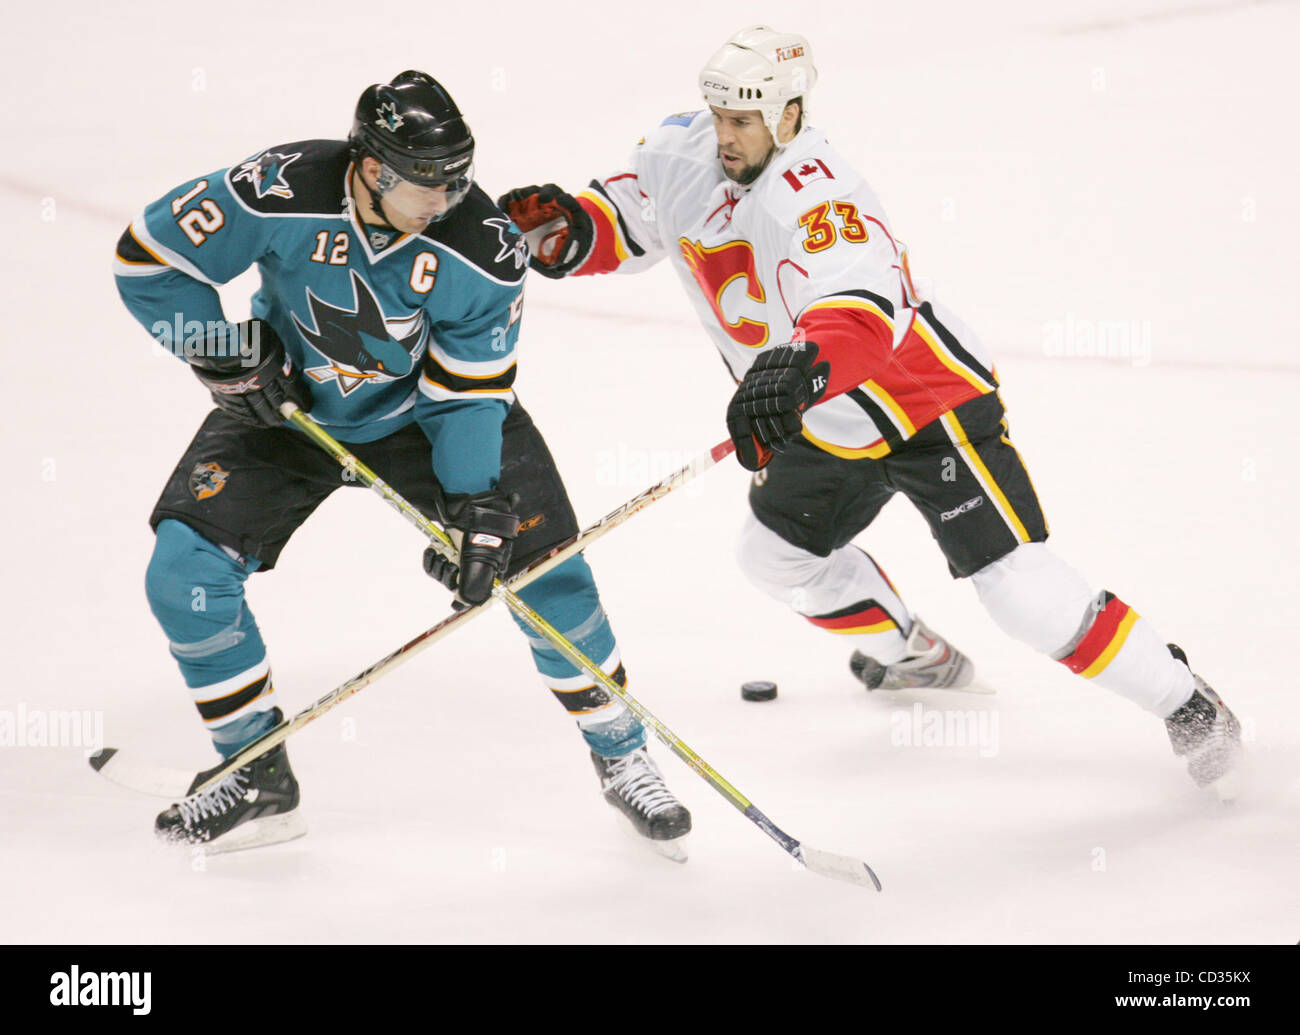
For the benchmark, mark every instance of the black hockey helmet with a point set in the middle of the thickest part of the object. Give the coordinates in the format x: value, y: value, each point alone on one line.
x: 413, y: 126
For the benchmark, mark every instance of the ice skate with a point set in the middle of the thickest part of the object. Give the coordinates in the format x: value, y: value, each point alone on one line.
x: 931, y: 663
x: 1205, y: 732
x: 257, y: 804
x: 634, y: 785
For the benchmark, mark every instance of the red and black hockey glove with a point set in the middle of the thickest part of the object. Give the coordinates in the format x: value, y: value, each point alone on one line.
x: 248, y: 373
x: 558, y: 230
x: 767, y: 409
x: 488, y: 527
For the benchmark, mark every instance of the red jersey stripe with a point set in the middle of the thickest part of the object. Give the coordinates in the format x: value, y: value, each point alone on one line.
x: 607, y: 252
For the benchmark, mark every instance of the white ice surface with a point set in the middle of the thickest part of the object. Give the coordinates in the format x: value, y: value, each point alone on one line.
x: 1045, y: 162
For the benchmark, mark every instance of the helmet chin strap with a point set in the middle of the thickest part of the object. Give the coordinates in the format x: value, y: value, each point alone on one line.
x: 776, y: 148
x: 376, y: 203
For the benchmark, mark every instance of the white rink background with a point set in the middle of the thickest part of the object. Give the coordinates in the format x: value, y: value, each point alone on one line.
x: 1047, y: 164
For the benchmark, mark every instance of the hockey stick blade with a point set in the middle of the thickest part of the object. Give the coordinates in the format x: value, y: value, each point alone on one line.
x: 837, y: 867
x: 144, y: 777
x: 814, y: 860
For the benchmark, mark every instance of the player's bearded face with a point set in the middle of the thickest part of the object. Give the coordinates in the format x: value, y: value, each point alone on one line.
x: 744, y: 143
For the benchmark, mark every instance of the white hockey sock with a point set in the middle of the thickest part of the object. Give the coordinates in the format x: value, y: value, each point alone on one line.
x: 845, y: 593
x: 1037, y: 598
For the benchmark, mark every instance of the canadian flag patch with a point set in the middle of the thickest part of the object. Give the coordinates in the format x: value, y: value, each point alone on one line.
x: 803, y: 173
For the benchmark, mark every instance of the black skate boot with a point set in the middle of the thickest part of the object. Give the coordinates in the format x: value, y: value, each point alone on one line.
x: 931, y: 663
x: 634, y: 785
x: 257, y: 804
x: 1208, y: 735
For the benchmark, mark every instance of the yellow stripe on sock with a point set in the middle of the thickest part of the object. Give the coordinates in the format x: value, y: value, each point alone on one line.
x: 1117, y: 641
x: 886, y: 626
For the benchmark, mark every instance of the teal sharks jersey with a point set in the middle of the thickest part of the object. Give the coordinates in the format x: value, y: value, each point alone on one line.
x: 384, y: 328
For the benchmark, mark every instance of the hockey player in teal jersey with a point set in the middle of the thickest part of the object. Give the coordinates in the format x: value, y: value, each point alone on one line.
x: 389, y: 308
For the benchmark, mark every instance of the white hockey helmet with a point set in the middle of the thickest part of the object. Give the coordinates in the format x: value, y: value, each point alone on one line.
x: 760, y: 68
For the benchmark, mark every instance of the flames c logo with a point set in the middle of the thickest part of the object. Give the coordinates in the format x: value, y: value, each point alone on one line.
x: 714, y: 270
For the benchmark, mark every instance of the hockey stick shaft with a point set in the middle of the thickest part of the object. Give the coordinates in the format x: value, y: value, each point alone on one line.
x: 539, y: 625
x: 557, y: 556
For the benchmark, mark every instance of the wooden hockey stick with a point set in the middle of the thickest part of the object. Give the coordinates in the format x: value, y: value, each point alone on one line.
x: 153, y: 779
x: 827, y: 864
x: 140, y: 775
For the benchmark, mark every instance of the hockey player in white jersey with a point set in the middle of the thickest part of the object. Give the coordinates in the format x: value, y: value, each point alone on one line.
x: 852, y: 387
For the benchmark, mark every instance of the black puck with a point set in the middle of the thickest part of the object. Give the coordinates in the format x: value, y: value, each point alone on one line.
x: 759, y: 690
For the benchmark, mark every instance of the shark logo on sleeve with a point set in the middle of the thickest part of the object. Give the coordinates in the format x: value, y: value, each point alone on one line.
x: 362, y: 346
x: 266, y: 173
x: 515, y: 248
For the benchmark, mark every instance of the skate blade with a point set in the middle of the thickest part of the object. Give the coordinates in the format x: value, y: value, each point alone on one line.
x: 256, y: 833
x: 674, y: 849
x: 973, y: 687
x: 1227, y: 788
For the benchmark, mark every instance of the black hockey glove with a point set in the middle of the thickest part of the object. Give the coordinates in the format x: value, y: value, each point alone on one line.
x: 767, y: 409
x: 558, y: 230
x: 488, y: 527
x: 249, y: 374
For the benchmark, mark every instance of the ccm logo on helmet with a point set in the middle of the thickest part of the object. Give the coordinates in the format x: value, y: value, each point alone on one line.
x: 709, y: 84
x: 452, y: 166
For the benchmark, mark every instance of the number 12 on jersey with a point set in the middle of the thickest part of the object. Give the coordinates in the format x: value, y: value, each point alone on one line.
x: 206, y: 218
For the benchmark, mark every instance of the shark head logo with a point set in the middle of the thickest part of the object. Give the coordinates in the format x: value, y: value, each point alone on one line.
x: 266, y: 173
x: 389, y: 118
x: 515, y: 249
x: 361, y: 345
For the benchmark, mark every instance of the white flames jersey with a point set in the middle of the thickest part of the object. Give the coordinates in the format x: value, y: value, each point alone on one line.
x: 804, y: 253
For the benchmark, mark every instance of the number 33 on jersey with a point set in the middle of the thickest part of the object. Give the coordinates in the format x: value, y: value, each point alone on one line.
x: 805, y: 252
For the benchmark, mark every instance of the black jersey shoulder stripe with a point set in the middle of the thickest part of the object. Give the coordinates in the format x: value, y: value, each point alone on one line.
x: 871, y: 296
x: 880, y: 300
x: 954, y: 346
x: 131, y: 251
x: 633, y: 247
x: 888, y: 430
x: 303, y: 178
